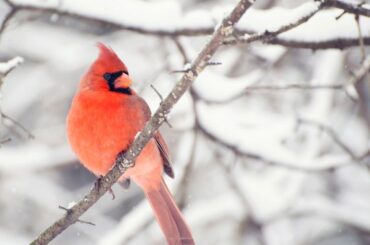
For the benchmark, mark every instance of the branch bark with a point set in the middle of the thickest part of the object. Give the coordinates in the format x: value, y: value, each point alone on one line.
x: 268, y: 35
x: 334, y: 43
x: 338, y: 43
x: 126, y: 160
x: 356, y: 9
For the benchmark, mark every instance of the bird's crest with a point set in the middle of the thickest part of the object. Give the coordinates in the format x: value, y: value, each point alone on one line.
x: 108, y: 59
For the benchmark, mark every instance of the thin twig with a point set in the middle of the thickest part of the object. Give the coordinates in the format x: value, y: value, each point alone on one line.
x: 17, y: 124
x: 360, y: 73
x: 295, y: 86
x: 332, y: 134
x: 356, y: 9
x: 127, y: 158
x: 79, y: 221
x: 274, y: 89
x: 181, y: 49
x: 360, y: 38
x: 337, y: 43
x: 161, y: 98
x: 7, y: 19
x: 268, y: 35
x: 212, y: 63
x: 244, y: 153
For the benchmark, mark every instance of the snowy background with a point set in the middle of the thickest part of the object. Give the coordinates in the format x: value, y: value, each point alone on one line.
x: 269, y: 148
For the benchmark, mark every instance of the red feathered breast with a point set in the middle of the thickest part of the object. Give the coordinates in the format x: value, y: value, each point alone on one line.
x: 101, y: 124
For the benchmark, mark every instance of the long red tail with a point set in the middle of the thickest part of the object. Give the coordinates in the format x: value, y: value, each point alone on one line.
x: 169, y: 216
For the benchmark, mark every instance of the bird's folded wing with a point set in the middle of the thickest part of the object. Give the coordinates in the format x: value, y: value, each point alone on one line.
x: 162, y: 146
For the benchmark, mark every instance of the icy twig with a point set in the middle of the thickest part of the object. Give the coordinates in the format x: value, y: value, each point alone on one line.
x: 126, y: 159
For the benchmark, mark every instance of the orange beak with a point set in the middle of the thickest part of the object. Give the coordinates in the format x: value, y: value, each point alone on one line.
x: 123, y: 81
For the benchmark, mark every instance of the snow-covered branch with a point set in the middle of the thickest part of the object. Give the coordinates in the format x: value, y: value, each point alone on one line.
x: 8, y: 66
x: 336, y: 43
x: 168, y: 19
x: 356, y: 9
x: 127, y: 158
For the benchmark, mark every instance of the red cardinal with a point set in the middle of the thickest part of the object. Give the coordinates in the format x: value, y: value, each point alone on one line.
x: 105, y: 116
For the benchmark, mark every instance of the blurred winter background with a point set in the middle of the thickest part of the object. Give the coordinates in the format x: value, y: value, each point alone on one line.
x: 269, y: 148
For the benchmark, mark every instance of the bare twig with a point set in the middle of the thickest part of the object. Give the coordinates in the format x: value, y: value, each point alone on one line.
x: 274, y: 89
x: 332, y: 134
x: 184, y: 182
x: 295, y: 86
x: 5, y: 69
x: 212, y: 63
x: 357, y: 76
x: 260, y: 158
x: 161, y: 98
x: 126, y: 159
x: 181, y: 49
x: 360, y: 73
x: 267, y: 35
x: 244, y: 153
x: 18, y: 125
x: 360, y: 38
x: 337, y: 43
x: 79, y: 221
x: 7, y: 19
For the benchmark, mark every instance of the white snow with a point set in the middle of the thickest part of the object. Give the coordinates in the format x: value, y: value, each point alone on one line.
x: 215, y: 87
x: 290, y: 191
x: 5, y: 67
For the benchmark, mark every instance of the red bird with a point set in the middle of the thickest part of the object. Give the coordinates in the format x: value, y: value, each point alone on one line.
x: 105, y: 116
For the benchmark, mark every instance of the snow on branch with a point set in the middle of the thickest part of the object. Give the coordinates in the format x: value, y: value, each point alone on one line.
x: 357, y: 9
x: 8, y: 66
x: 127, y: 158
x: 338, y: 43
x: 324, y: 31
x: 314, y: 28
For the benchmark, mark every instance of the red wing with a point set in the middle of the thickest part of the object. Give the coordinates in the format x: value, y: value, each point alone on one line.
x: 163, y: 149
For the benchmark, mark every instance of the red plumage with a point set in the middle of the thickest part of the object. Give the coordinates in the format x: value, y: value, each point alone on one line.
x: 105, y: 116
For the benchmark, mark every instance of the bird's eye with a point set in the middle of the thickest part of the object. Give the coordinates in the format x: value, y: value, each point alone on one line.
x: 111, y: 77
x: 107, y: 76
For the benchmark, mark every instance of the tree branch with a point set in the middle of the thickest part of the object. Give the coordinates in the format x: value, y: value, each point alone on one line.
x: 356, y: 9
x: 267, y: 35
x: 126, y: 159
x: 332, y: 134
x: 337, y: 43
x: 334, y: 43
